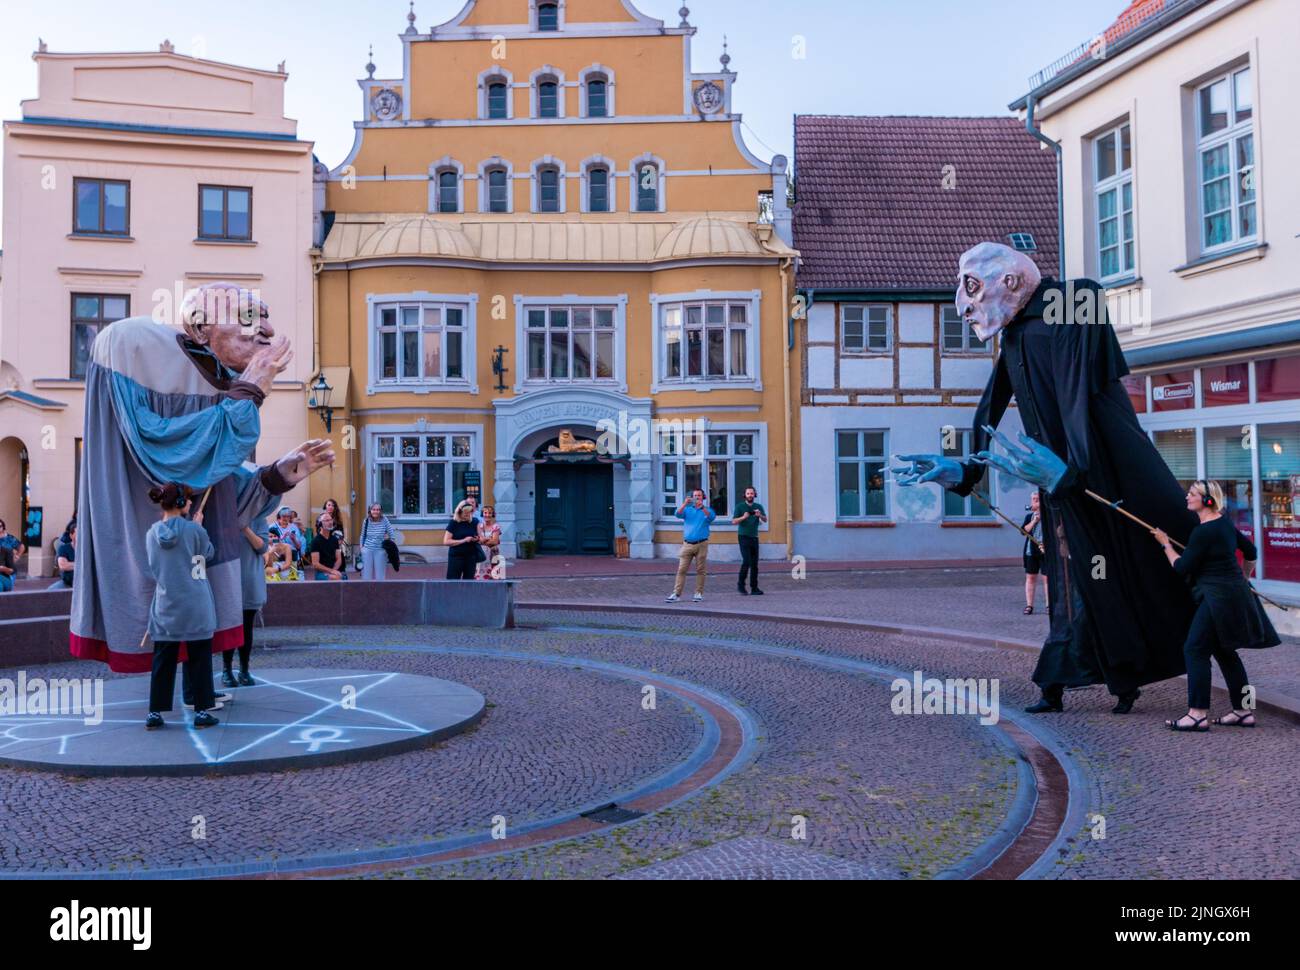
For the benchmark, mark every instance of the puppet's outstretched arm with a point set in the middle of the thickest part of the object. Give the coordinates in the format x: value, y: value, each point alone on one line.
x: 1034, y: 463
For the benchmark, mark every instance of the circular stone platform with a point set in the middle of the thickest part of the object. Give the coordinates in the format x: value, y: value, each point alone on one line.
x: 298, y: 718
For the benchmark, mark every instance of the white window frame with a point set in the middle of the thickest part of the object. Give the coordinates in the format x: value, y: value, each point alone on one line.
x: 467, y: 384
x: 595, y: 161
x: 861, y: 461
x: 866, y: 350
x: 484, y: 190
x: 524, y: 303
x: 968, y: 335
x: 660, y: 303
x: 535, y: 183
x: 634, y: 182
x: 723, y: 522
x: 373, y: 462
x: 969, y: 503
x: 1116, y: 183
x: 1229, y: 136
x: 485, y: 78
x: 543, y: 73
x: 585, y: 75
x: 446, y: 164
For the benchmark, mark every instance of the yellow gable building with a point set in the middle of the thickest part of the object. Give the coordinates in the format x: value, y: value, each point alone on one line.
x: 548, y: 247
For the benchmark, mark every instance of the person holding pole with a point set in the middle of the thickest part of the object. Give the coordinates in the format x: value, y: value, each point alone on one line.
x: 1228, y: 615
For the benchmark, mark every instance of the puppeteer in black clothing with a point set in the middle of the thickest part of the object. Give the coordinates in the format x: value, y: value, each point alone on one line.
x: 1120, y: 615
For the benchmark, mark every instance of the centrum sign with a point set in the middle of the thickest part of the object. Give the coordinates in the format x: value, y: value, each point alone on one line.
x: 1173, y: 392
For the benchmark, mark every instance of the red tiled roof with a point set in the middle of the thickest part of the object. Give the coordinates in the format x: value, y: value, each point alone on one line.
x: 873, y: 213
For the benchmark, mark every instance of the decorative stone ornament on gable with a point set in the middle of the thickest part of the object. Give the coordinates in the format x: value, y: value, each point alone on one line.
x: 708, y: 98
x: 386, y: 104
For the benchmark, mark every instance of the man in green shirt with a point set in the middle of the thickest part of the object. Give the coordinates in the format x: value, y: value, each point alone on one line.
x: 748, y: 516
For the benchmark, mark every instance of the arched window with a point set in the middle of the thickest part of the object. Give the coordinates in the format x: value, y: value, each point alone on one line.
x: 597, y: 97
x: 598, y: 189
x: 548, y: 16
x: 548, y: 98
x: 647, y: 186
x: 498, y: 190
x: 448, y: 190
x: 498, y: 93
x: 548, y: 189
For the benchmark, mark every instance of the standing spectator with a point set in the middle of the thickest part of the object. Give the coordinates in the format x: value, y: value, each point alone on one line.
x: 1033, y: 554
x: 15, y: 546
x: 332, y: 507
x: 183, y: 609
x: 375, y: 531
x: 462, y: 542
x: 697, y: 515
x: 8, y: 565
x: 747, y: 517
x: 326, y: 552
x: 489, y: 533
x: 332, y: 510
x: 252, y: 574
x: 67, y: 556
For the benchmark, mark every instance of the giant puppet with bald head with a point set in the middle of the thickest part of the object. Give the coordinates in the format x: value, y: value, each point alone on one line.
x: 174, y: 404
x: 1119, y: 615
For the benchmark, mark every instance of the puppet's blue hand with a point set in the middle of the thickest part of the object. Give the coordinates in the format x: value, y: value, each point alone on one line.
x: 1034, y: 463
x: 928, y: 468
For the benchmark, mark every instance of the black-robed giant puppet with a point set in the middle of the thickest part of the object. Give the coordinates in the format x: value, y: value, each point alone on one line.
x: 1119, y: 615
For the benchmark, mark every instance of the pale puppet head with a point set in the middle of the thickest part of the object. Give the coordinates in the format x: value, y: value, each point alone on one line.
x: 994, y: 284
x: 229, y: 320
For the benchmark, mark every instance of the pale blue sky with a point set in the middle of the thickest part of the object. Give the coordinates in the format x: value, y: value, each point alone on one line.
x: 921, y: 57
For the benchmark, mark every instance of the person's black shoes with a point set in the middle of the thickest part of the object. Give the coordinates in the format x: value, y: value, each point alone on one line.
x: 755, y: 592
x: 228, y: 679
x: 1125, y: 702
x: 245, y: 680
x: 1045, y: 705
x: 153, y: 722
x: 202, y: 719
x: 742, y: 591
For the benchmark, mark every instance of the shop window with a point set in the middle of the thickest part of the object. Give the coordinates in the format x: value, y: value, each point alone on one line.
x: 1279, y: 472
x: 1178, y: 448
x: 722, y: 464
x: 421, y: 475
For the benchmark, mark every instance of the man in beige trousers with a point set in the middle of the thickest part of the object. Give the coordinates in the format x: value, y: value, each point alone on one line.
x: 696, y: 515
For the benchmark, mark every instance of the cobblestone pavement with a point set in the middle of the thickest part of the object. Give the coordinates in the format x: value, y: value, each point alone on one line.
x: 885, y: 795
x: 556, y: 738
x: 975, y: 599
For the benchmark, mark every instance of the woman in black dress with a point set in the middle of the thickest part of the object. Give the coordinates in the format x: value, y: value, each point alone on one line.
x: 1033, y: 553
x: 462, y: 542
x: 1228, y: 616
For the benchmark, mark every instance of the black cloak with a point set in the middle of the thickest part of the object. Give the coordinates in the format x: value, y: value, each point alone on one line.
x: 1119, y: 613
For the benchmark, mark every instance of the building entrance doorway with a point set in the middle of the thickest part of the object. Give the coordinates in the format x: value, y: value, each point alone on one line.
x: 575, y: 509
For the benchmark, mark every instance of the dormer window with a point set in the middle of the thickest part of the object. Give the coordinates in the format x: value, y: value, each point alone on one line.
x: 548, y: 16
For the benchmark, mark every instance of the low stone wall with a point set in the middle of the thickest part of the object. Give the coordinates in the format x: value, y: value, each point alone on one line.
x: 34, y: 626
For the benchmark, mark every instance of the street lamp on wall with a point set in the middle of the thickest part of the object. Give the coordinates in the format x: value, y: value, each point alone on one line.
x: 320, y: 400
